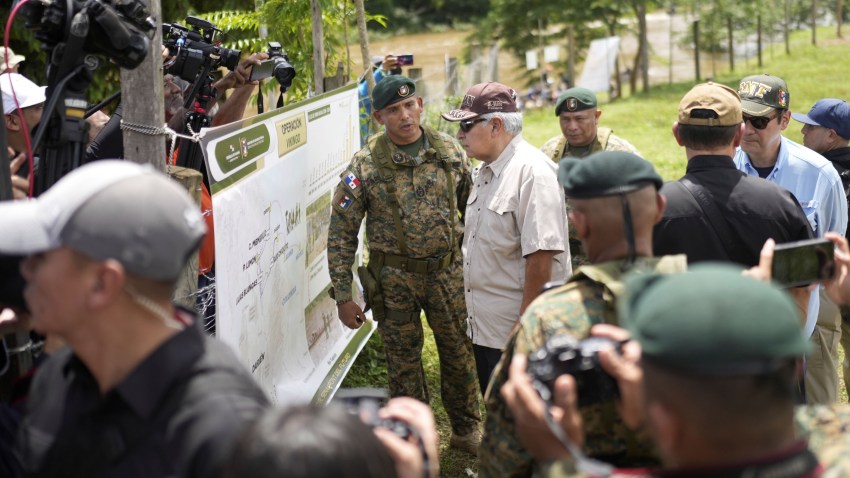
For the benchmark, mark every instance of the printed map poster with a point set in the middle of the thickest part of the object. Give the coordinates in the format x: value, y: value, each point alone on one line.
x: 272, y: 177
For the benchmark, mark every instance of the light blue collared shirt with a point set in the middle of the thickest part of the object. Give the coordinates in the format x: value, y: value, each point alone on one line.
x: 816, y: 185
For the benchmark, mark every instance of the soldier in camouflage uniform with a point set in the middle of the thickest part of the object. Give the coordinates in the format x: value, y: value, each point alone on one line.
x: 581, y: 136
x: 715, y: 393
x: 599, y: 187
x: 411, y: 183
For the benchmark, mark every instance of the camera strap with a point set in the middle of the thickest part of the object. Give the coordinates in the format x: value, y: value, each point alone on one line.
x: 260, y: 101
x: 715, y: 219
x: 584, y: 464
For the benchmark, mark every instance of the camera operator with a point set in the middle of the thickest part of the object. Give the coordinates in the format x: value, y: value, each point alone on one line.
x: 30, y: 99
x: 616, y: 203
x: 109, y: 143
x: 308, y: 441
x: 715, y: 394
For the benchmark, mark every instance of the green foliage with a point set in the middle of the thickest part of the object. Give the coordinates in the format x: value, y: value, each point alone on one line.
x: 288, y: 22
x: 422, y: 15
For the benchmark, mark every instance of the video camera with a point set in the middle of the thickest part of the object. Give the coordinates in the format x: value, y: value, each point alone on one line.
x: 73, y: 32
x: 564, y: 354
x: 194, y: 50
x: 119, y: 29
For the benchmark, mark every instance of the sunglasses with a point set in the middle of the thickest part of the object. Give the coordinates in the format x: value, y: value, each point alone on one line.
x: 759, y: 122
x: 467, y: 125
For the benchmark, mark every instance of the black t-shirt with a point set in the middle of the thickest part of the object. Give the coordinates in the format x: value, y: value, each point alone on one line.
x: 178, y: 413
x: 754, y: 208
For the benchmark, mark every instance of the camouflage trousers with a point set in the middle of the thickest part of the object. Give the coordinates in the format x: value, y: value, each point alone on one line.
x: 440, y: 295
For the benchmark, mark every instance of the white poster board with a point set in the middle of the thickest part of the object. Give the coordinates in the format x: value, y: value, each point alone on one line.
x: 272, y: 178
x: 599, y: 65
x: 551, y: 53
x: 531, y: 60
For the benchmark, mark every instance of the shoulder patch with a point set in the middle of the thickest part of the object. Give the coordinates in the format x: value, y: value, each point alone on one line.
x: 342, y: 200
x: 351, y: 180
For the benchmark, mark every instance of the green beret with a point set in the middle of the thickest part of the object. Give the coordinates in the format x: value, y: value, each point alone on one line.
x: 392, y: 89
x: 712, y: 321
x: 575, y: 99
x: 606, y: 173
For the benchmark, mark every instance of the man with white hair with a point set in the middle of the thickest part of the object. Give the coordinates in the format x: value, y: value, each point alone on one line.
x: 140, y: 390
x: 516, y: 221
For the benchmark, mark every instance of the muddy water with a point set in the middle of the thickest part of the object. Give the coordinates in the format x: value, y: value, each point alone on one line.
x: 431, y: 51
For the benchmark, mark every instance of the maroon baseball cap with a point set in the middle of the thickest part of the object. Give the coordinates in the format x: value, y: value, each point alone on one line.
x: 484, y: 98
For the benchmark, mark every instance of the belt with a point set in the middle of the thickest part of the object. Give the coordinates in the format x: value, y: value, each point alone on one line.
x: 417, y: 266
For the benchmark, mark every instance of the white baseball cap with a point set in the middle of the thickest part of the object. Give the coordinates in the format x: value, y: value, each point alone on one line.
x: 7, y: 53
x: 109, y: 209
x: 27, y: 92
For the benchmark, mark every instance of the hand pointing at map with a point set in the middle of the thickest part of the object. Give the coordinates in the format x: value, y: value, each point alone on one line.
x: 350, y: 314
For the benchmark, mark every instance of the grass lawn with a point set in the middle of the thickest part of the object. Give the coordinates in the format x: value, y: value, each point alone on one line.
x: 645, y: 120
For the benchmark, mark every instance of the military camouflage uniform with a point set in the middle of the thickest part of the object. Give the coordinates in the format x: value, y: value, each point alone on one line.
x: 587, y: 299
x: 825, y: 427
x: 557, y: 148
x: 427, y: 212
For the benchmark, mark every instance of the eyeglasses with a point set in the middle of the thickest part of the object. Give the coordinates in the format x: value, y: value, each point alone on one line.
x: 759, y: 122
x: 467, y: 125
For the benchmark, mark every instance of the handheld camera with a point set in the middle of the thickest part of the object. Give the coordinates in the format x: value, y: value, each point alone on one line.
x: 564, y: 354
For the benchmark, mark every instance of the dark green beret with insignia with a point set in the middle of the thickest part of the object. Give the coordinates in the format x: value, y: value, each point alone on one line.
x: 392, y: 89
x: 606, y: 173
x: 575, y: 99
x: 712, y: 321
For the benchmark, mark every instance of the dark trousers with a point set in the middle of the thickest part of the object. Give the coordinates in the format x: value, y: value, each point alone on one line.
x: 486, y: 359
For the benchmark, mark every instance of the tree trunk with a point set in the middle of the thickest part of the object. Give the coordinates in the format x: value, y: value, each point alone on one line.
x: 643, y: 46
x: 731, y: 36
x: 571, y: 61
x: 318, y: 48
x: 364, y: 45
x: 814, y: 22
x: 787, y: 27
x: 141, y: 93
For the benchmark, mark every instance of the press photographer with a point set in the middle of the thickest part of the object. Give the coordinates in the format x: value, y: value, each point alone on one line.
x: 350, y: 438
x: 716, y: 396
x: 614, y: 205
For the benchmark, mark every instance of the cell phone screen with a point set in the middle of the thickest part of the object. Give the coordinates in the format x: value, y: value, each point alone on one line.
x: 404, y: 60
x: 802, y: 263
x: 262, y: 71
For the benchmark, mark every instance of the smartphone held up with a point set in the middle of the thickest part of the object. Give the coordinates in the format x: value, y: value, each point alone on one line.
x: 800, y: 263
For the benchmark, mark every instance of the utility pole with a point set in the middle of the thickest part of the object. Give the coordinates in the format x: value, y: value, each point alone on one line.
x: 141, y: 94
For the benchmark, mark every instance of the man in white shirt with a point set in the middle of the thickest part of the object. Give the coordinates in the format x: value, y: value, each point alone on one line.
x: 515, y: 236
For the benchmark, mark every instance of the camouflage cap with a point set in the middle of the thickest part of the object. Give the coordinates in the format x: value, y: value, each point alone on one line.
x: 575, y: 99
x: 712, y: 321
x: 606, y: 173
x: 710, y: 104
x: 391, y: 90
x: 762, y: 93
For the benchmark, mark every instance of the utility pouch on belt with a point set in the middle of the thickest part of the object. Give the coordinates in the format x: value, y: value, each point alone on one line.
x: 372, y: 293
